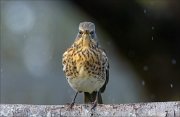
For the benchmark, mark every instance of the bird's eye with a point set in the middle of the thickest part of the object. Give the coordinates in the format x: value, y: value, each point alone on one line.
x: 92, y: 32
x: 80, y: 32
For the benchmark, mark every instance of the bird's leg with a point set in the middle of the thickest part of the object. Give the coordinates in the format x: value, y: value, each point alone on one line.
x: 95, y: 101
x: 73, y: 101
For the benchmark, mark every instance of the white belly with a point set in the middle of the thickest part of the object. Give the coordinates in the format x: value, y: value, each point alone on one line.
x: 86, y: 84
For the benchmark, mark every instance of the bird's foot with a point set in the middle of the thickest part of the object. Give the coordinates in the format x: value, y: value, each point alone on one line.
x: 94, y: 105
x: 71, y: 106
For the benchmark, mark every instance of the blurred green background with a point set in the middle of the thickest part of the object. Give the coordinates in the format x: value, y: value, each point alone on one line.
x: 141, y: 38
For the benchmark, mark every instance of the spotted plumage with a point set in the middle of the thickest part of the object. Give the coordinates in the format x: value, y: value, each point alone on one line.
x: 85, y: 64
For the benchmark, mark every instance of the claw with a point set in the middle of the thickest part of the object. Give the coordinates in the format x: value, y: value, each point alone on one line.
x: 96, y: 101
x: 73, y: 102
x: 94, y: 105
x: 71, y: 106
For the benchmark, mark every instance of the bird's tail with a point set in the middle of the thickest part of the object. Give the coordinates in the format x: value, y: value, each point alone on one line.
x: 89, y: 98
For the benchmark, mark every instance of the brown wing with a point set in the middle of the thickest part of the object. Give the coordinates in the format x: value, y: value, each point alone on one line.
x: 106, y: 63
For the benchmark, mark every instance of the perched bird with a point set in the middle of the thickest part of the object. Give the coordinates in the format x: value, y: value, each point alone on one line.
x: 86, y: 65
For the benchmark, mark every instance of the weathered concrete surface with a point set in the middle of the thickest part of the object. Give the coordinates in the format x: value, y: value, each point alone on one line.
x: 163, y: 109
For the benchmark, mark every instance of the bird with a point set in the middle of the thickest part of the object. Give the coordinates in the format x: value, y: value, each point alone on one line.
x: 86, y: 66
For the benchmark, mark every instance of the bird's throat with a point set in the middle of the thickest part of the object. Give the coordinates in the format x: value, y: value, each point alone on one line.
x: 86, y: 41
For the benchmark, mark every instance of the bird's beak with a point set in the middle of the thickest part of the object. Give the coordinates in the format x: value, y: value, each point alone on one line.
x: 86, y: 34
x: 86, y: 38
x: 86, y: 31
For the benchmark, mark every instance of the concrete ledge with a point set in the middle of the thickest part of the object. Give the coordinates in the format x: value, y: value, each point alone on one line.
x: 163, y: 109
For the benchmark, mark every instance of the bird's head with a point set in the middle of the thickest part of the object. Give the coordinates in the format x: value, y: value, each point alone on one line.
x: 86, y: 30
x: 86, y: 36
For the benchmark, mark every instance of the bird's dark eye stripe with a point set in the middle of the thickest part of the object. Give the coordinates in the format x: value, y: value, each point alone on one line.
x: 92, y: 32
x: 80, y: 32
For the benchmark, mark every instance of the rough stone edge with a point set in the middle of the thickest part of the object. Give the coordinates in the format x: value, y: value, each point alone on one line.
x: 163, y: 109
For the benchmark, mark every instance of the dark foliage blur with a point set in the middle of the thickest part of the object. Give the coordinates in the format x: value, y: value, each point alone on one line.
x: 147, y: 32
